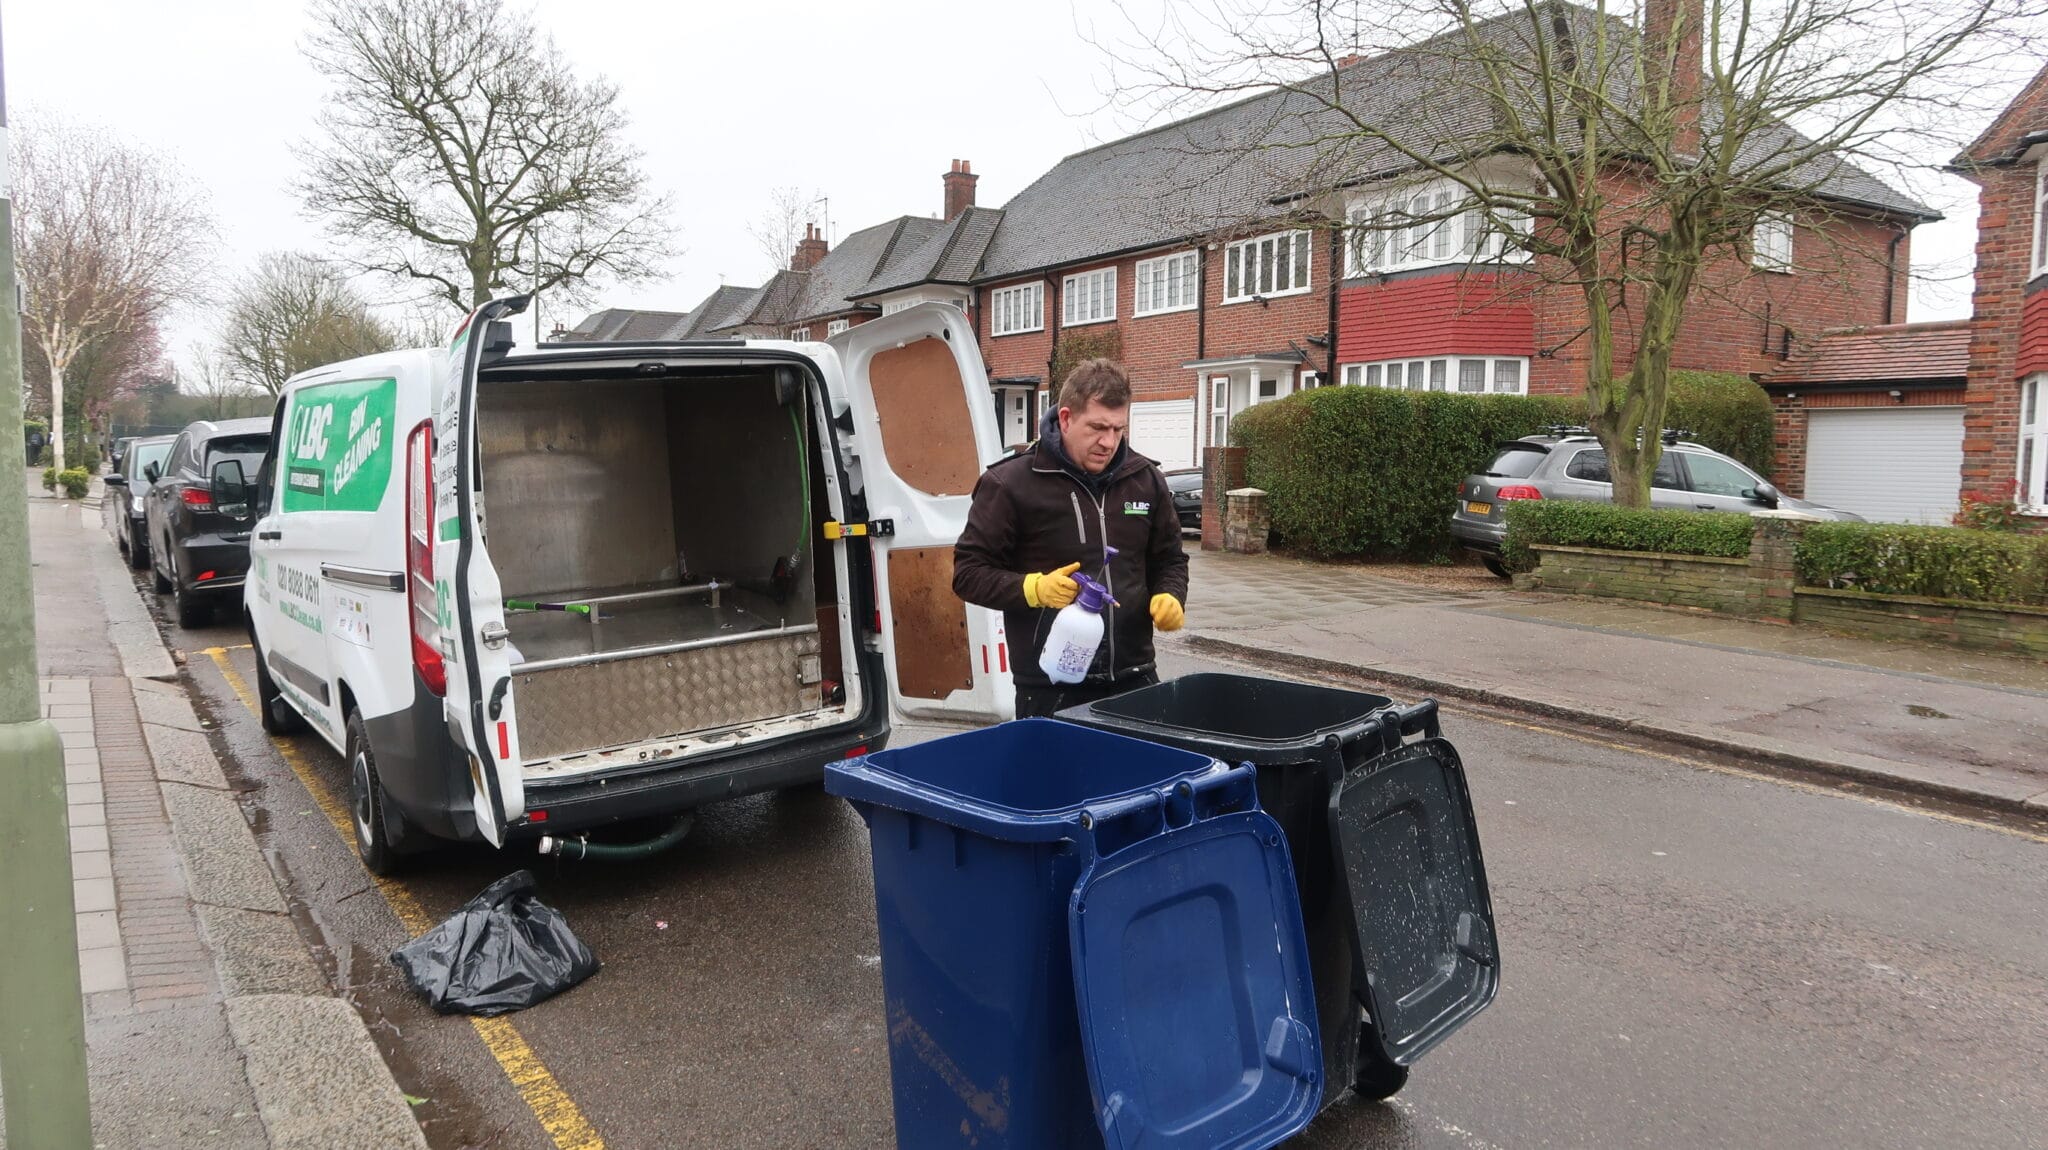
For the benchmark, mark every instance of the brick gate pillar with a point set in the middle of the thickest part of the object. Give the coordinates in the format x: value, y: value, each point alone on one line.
x: 1222, y: 470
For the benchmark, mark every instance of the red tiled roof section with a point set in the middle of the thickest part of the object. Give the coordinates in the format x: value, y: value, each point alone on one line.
x: 1894, y: 353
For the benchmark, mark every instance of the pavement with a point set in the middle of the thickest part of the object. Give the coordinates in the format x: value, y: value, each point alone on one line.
x: 1955, y: 725
x: 207, y: 1020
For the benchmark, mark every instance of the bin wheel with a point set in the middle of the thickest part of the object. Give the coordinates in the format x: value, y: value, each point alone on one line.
x: 1376, y: 1079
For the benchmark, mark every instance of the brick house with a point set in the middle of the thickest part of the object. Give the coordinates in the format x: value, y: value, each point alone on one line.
x: 2005, y: 402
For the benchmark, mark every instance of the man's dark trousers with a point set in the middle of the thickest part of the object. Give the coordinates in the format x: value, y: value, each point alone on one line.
x: 1044, y: 702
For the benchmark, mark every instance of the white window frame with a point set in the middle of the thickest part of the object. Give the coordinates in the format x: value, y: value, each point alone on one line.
x: 2033, y: 473
x: 1095, y: 291
x: 1308, y: 380
x: 836, y: 326
x: 1394, y: 374
x: 2039, y: 263
x: 1016, y: 309
x: 1414, y: 226
x: 1246, y: 254
x: 1175, y: 276
x: 800, y: 334
x: 891, y: 307
x: 1219, y: 410
x: 1770, y: 243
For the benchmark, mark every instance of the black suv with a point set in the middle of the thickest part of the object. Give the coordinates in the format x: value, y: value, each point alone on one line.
x: 199, y: 548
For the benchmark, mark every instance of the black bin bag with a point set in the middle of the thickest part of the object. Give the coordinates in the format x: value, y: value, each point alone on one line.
x: 504, y: 950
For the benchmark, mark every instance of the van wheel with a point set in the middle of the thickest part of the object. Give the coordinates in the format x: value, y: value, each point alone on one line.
x: 366, y: 802
x: 272, y: 711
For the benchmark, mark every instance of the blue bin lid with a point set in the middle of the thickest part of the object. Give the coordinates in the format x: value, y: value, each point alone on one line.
x: 1192, y: 976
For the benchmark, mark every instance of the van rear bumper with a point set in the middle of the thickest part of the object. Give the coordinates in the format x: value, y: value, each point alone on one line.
x: 663, y: 789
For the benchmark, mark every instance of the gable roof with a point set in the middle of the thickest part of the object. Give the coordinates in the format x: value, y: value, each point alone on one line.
x: 771, y: 305
x: 2015, y: 129
x: 627, y: 324
x: 1259, y: 159
x: 946, y: 252
x: 1936, y: 352
x: 845, y: 270
x: 717, y: 311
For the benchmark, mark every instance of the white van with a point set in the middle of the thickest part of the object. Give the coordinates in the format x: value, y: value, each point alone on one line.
x: 531, y: 594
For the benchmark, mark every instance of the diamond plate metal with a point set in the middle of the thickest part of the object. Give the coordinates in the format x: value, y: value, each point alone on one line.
x: 571, y: 709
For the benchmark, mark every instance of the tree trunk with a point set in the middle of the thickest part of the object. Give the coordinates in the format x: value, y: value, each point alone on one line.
x: 57, y: 369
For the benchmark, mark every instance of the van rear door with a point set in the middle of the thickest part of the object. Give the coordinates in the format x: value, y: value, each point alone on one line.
x: 469, y: 601
x: 924, y: 427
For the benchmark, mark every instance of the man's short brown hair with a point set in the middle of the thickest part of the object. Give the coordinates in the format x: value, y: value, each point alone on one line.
x: 1100, y: 380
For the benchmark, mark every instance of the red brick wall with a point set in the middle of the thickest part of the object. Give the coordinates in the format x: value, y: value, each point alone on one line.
x: 1440, y: 314
x: 2001, y: 306
x: 1155, y: 346
x: 1838, y: 280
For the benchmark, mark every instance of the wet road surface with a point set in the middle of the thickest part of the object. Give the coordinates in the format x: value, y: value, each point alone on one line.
x: 1693, y: 955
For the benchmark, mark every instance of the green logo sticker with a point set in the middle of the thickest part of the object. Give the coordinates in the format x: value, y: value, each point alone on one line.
x: 338, y: 447
x: 1137, y: 507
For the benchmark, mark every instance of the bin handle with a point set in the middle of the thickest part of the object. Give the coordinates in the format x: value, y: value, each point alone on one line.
x: 1419, y: 718
x: 1108, y: 827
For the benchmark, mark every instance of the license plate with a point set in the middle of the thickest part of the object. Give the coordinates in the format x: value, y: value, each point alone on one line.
x: 1479, y: 508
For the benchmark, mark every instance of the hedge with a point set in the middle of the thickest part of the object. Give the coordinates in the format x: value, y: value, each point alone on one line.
x: 1573, y: 523
x: 1368, y: 471
x: 75, y: 481
x: 1941, y: 562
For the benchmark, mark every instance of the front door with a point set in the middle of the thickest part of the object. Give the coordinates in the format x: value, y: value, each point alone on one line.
x: 923, y: 430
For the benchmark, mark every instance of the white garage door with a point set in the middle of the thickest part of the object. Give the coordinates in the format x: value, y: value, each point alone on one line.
x: 1165, y: 430
x: 1890, y: 464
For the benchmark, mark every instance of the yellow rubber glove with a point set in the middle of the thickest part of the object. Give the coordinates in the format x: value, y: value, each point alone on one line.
x: 1052, y: 589
x: 1167, y: 614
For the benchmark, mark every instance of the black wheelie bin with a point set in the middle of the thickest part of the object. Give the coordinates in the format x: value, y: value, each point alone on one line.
x: 1378, y: 819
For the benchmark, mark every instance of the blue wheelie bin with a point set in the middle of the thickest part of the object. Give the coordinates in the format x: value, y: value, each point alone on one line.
x: 1087, y: 940
x: 1386, y: 853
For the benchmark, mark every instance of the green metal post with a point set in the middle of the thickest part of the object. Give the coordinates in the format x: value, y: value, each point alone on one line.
x: 42, y: 1022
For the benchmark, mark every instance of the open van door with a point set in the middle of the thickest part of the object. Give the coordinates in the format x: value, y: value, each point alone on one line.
x: 470, y: 605
x: 924, y: 428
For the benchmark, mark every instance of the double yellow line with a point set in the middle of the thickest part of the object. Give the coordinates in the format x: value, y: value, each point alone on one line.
x: 551, y: 1105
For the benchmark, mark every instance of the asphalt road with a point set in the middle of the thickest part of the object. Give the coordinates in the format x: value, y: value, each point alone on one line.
x: 1693, y: 955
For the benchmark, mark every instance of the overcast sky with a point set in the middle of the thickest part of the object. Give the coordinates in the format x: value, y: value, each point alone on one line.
x: 865, y: 103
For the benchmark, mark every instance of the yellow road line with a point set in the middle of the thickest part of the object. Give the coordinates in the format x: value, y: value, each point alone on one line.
x: 1755, y: 776
x: 551, y: 1105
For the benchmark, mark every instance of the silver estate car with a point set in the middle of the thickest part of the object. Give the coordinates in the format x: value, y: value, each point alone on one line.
x: 1570, y: 464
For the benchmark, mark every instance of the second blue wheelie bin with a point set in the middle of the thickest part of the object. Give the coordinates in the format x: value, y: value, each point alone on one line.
x: 1087, y: 940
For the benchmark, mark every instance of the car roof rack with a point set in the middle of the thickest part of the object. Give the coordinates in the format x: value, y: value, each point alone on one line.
x: 1670, y: 435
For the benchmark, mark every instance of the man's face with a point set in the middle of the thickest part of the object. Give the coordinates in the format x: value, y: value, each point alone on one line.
x: 1091, y: 434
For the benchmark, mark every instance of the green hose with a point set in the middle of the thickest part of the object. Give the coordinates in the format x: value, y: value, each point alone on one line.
x: 579, y: 848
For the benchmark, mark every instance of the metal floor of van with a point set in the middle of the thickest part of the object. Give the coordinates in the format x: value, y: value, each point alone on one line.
x: 548, y: 635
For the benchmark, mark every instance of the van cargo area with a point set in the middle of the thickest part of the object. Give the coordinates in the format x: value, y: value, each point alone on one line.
x: 654, y: 540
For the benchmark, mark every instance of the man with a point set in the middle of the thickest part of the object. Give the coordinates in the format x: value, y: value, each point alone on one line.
x: 1040, y: 516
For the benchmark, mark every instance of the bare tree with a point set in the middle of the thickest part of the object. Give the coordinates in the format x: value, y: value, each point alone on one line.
x: 1626, y: 152
x: 216, y: 383
x: 291, y: 313
x: 780, y: 225
x: 460, y: 152
x: 110, y: 237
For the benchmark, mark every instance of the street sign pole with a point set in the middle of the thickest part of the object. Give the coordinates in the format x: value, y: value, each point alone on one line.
x: 42, y: 1022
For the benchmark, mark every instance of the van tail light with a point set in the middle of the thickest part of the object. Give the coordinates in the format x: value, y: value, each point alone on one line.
x: 1515, y: 491
x: 419, y: 558
x: 197, y: 498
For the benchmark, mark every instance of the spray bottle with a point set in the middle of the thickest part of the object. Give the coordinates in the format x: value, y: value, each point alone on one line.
x: 1076, y: 632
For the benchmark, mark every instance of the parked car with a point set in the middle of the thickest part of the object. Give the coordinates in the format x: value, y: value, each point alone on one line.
x: 1572, y: 465
x: 1186, y: 485
x: 122, y: 509
x: 198, y: 545
x: 530, y: 594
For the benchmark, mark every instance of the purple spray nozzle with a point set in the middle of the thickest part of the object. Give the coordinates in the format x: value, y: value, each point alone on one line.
x: 1094, y: 596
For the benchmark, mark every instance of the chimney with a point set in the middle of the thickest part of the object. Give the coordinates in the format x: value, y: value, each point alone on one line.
x: 959, y: 188
x: 809, y: 250
x: 1671, y: 38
